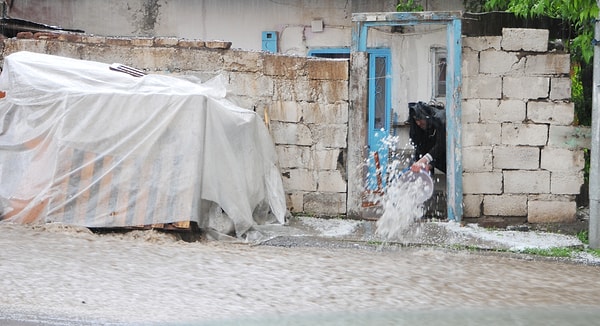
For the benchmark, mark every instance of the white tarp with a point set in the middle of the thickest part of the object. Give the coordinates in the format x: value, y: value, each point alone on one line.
x: 84, y: 145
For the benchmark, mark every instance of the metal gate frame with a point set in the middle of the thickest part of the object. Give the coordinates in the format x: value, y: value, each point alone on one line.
x: 361, y: 22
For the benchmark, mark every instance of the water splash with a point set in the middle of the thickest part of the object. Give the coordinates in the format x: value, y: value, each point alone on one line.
x: 400, y: 200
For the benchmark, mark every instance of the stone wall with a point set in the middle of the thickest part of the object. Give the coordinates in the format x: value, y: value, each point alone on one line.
x: 519, y: 155
x: 522, y: 157
x: 304, y: 101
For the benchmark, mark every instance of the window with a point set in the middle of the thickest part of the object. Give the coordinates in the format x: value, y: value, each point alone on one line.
x: 438, y: 56
x: 330, y: 53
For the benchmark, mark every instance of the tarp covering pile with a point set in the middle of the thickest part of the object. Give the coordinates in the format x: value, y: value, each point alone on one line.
x: 84, y: 145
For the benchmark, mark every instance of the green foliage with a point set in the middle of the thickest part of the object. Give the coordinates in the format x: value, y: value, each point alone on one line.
x: 551, y: 252
x: 583, y: 237
x: 408, y: 6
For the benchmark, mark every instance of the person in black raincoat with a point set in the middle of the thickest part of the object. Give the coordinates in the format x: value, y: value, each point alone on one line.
x: 428, y: 135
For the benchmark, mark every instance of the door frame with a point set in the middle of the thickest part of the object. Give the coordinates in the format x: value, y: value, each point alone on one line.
x: 361, y: 22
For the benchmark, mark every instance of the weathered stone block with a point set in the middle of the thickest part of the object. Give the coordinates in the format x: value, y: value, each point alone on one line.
x: 251, y: 85
x: 326, y: 159
x: 295, y: 201
x: 525, y: 39
x: 548, y: 64
x: 551, y: 209
x: 505, y: 205
x: 470, y: 111
x: 166, y: 41
x: 562, y: 159
x: 503, y: 111
x: 570, y: 136
x: 291, y: 134
x: 482, y: 43
x: 284, y: 66
x: 235, y: 60
x: 481, y: 134
x: 556, y: 113
x: 566, y: 183
x: 526, y: 182
x: 142, y: 41
x: 482, y: 87
x: 477, y: 159
x: 472, y: 205
x: 331, y: 181
x: 330, y: 135
x: 500, y: 62
x: 294, y: 157
x: 287, y: 111
x: 328, y: 204
x: 516, y: 157
x: 526, y: 87
x: 330, y: 91
x: 299, y: 179
x: 336, y: 113
x: 524, y: 134
x: 482, y: 183
x: 327, y: 69
x: 560, y: 88
x: 470, y: 62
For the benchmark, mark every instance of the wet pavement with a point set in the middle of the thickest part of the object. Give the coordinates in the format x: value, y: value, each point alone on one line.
x: 310, y: 272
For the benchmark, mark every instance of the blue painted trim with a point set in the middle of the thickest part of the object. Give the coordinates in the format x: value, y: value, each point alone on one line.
x: 453, y: 87
x: 329, y: 50
x: 454, y: 189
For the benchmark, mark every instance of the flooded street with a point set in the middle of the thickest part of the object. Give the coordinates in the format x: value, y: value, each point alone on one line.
x: 68, y: 276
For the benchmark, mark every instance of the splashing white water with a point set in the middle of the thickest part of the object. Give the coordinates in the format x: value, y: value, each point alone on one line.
x: 402, y: 204
x: 402, y: 196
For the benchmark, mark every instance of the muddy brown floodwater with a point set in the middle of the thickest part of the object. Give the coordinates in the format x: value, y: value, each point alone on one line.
x: 70, y: 276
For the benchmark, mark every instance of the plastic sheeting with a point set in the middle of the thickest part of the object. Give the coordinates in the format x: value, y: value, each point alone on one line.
x: 84, y: 145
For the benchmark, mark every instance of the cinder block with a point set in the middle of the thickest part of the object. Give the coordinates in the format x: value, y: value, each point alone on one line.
x: 526, y: 87
x: 470, y: 111
x: 562, y: 159
x: 328, y: 204
x: 482, y: 183
x: 552, y: 210
x: 331, y: 181
x: 481, y: 134
x: 566, y: 183
x: 556, y: 113
x: 477, y: 159
x: 472, y: 205
x: 482, y: 43
x: 548, y: 64
x: 505, y: 205
x: 524, y: 134
x: 516, y: 157
x: 526, y: 182
x: 525, y: 39
x: 560, y: 88
x: 482, y: 87
x: 336, y: 113
x: 503, y: 111
x: 500, y: 63
x: 470, y: 62
x: 570, y: 136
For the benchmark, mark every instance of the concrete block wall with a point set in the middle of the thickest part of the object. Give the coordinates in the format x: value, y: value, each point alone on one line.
x: 521, y: 157
x: 303, y: 101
